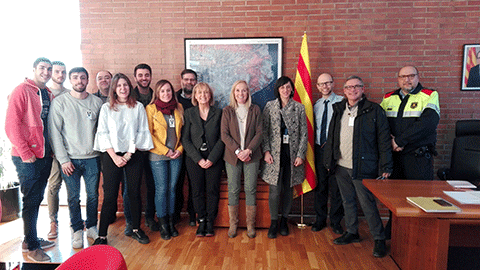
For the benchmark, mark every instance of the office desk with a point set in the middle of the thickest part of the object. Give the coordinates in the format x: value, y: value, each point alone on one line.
x: 420, y: 240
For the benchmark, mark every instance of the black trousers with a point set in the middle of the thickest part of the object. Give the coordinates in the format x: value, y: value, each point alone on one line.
x: 112, y: 177
x: 412, y: 167
x: 179, y: 199
x: 205, y: 188
x: 326, y: 183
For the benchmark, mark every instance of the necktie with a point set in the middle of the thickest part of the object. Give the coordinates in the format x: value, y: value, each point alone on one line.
x: 323, y: 129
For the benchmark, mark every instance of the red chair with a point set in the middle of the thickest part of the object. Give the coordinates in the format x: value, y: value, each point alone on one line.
x: 102, y: 257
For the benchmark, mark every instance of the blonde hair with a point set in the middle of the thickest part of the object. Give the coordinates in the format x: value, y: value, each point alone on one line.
x: 233, y: 101
x: 199, y: 86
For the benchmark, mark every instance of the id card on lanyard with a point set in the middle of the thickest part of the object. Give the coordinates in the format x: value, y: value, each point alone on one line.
x: 171, y: 122
x: 285, y: 136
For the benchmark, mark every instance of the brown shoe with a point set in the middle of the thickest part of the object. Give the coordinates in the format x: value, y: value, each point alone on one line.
x: 53, y: 231
x: 233, y: 214
x: 251, y: 213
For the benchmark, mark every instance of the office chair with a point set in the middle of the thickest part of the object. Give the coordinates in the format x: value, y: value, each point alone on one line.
x: 465, y: 160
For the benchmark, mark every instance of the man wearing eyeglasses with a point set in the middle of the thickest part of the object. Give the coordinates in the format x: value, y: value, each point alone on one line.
x: 323, y: 114
x: 413, y: 113
x: 359, y: 147
x: 188, y: 79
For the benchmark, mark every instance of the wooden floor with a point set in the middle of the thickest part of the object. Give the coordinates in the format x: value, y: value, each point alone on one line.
x: 302, y: 249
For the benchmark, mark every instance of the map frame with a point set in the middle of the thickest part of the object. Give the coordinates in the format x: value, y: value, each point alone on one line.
x: 259, y: 97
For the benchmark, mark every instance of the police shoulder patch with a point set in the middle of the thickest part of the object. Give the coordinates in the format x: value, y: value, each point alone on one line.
x: 427, y: 91
x: 414, y: 105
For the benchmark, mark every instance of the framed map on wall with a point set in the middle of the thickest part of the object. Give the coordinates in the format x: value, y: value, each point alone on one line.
x: 222, y: 61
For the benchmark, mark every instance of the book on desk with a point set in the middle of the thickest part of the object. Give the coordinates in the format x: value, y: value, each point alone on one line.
x: 433, y: 204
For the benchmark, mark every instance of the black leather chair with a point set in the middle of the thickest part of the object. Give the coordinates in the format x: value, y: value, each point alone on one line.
x: 465, y: 160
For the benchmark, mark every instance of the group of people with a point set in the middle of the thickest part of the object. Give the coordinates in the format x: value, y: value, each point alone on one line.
x: 164, y: 135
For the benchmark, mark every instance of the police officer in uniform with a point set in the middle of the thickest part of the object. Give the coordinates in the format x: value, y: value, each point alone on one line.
x: 413, y: 113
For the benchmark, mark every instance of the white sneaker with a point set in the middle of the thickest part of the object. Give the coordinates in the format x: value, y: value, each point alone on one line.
x: 77, y: 239
x: 92, y: 232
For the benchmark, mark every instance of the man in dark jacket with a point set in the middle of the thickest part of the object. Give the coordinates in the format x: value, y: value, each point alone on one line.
x: 359, y: 147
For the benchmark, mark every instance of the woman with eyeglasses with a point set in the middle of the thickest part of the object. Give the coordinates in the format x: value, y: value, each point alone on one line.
x: 122, y: 130
x: 284, y: 145
x: 242, y: 135
x: 165, y: 121
x: 204, y: 150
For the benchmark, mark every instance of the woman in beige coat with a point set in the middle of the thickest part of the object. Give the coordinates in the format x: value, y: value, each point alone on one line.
x: 284, y: 145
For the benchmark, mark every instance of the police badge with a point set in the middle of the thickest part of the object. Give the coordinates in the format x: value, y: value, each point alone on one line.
x: 414, y: 105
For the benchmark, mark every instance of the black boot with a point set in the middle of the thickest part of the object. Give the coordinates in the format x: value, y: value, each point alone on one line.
x: 209, y: 231
x: 171, y: 223
x: 283, y: 226
x: 272, y: 231
x: 164, y: 229
x: 202, y: 223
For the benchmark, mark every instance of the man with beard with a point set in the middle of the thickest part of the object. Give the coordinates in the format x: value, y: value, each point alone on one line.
x: 184, y: 96
x: 143, y: 77
x: 413, y: 113
x: 103, y: 79
x: 59, y: 74
x: 26, y: 128
x: 73, y: 124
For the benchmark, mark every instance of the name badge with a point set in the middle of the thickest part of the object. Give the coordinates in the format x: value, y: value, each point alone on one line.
x: 285, y: 138
x: 171, y: 122
x: 351, y: 121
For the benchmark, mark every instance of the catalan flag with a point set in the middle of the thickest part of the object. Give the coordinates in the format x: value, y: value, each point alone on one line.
x: 303, y: 94
x: 471, y: 62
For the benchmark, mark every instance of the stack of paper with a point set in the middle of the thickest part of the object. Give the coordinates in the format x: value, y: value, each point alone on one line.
x: 465, y: 197
x: 461, y: 184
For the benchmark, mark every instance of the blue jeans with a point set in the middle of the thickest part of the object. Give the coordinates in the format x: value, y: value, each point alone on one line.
x: 90, y: 170
x: 165, y: 175
x: 33, y: 180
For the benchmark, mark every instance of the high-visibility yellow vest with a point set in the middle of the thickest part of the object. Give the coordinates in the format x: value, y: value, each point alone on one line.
x: 415, y: 105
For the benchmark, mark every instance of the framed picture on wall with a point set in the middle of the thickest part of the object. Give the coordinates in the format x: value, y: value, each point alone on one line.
x: 471, y: 67
x: 222, y: 61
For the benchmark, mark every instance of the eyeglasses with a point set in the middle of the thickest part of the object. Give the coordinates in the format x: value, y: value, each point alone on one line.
x: 351, y: 87
x: 325, y: 84
x: 409, y: 76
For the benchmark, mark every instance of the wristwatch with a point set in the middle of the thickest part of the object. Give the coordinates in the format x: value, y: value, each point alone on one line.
x: 237, y: 151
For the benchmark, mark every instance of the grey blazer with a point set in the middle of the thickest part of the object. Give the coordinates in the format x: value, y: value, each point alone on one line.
x: 296, y: 121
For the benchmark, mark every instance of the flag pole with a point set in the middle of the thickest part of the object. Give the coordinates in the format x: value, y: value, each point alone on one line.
x: 303, y: 95
x: 301, y: 225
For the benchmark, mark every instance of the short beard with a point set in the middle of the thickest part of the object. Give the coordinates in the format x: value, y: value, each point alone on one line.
x: 187, y: 91
x: 79, y: 90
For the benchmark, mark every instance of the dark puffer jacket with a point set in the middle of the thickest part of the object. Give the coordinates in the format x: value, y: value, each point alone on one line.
x: 372, y: 148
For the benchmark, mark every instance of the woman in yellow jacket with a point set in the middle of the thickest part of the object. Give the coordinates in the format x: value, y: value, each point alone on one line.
x: 165, y: 120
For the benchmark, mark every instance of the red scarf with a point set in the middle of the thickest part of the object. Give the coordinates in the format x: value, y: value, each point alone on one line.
x: 166, y: 108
